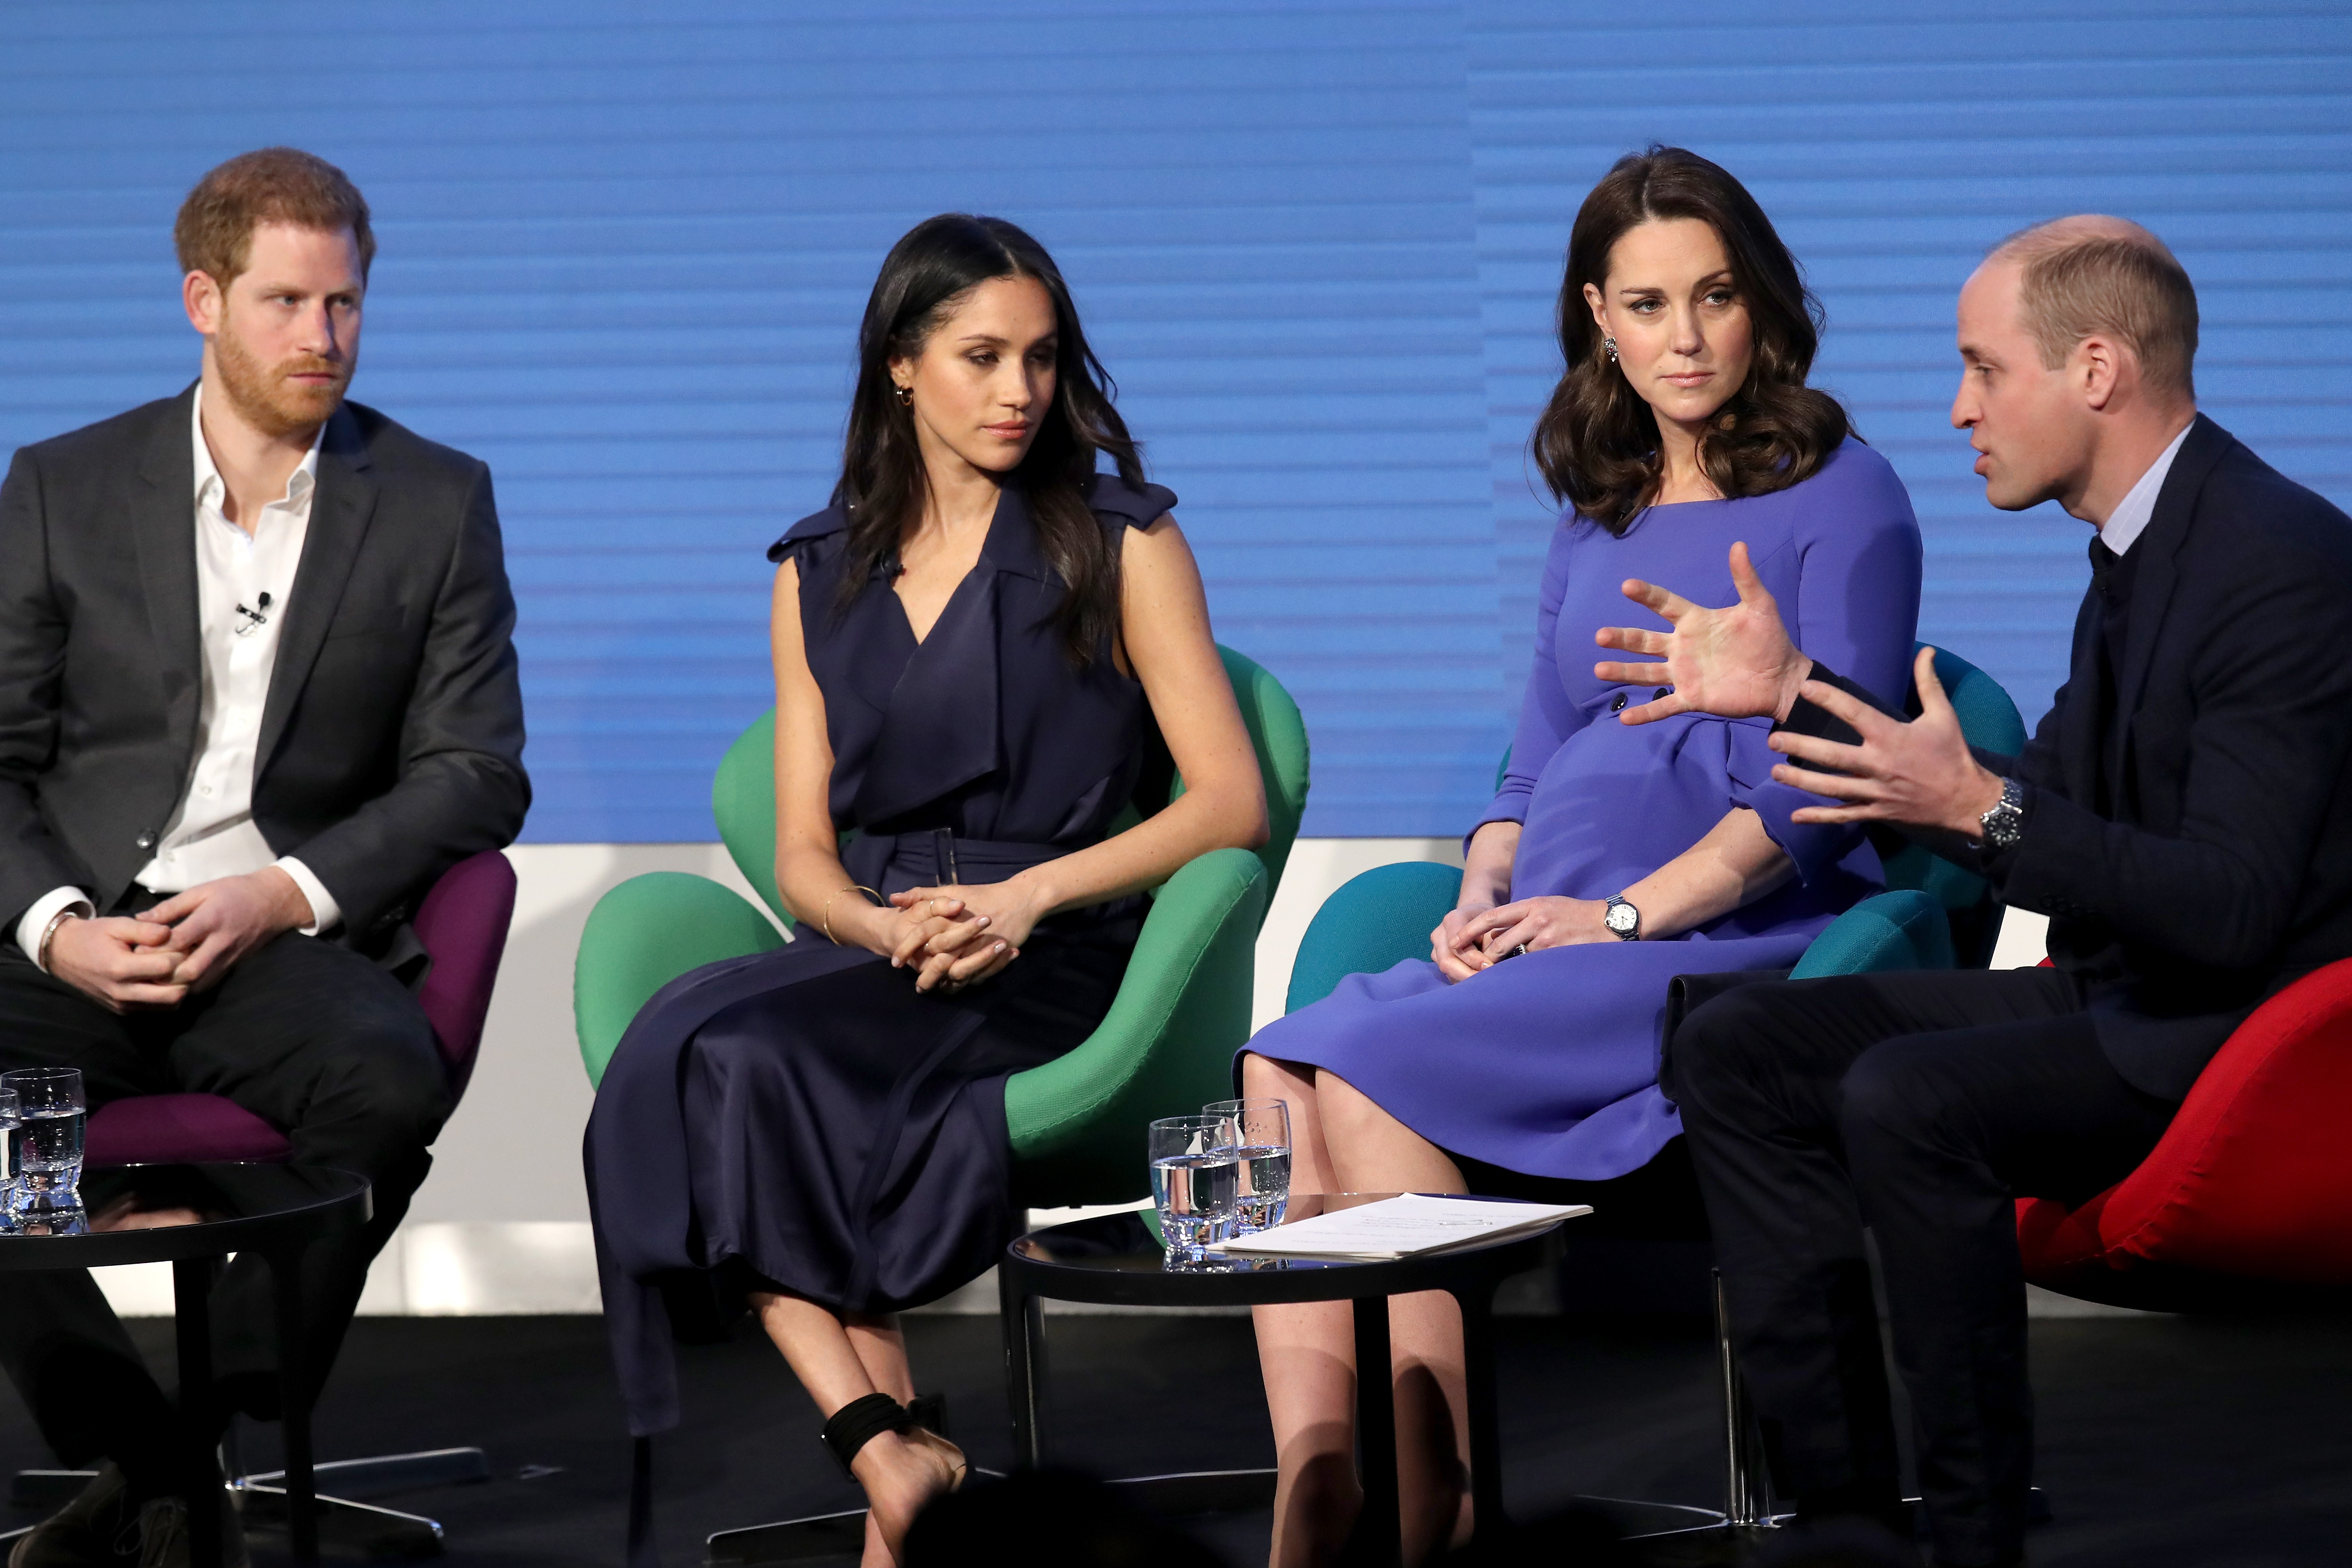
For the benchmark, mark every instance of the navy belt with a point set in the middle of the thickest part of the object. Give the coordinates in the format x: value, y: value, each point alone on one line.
x: 939, y: 857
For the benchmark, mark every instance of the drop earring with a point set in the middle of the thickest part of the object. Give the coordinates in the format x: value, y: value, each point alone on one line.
x: 906, y: 397
x: 1609, y: 347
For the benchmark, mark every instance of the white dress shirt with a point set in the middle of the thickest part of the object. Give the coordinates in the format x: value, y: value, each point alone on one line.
x: 2131, y: 516
x: 243, y: 583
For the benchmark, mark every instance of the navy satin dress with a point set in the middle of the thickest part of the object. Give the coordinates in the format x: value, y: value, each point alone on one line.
x: 806, y: 1118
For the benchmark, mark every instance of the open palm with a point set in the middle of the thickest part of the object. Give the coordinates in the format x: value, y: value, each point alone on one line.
x: 1733, y: 662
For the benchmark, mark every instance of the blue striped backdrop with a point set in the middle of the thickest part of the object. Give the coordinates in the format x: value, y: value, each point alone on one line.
x: 624, y: 246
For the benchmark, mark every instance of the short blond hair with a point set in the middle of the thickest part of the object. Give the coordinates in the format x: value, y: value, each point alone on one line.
x: 213, y: 233
x: 2082, y: 277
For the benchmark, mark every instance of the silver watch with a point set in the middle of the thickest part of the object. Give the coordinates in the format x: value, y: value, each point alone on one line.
x: 1623, y: 918
x: 2005, y: 824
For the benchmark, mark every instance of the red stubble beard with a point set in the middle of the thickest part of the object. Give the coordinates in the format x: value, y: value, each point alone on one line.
x: 267, y: 397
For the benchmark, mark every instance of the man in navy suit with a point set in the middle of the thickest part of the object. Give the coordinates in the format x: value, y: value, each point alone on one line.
x: 2183, y: 815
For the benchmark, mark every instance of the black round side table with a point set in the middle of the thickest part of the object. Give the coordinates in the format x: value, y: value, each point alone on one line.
x: 1117, y: 1261
x: 276, y: 1210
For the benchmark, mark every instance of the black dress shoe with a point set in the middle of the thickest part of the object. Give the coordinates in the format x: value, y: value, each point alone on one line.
x: 158, y: 1538
x: 83, y: 1534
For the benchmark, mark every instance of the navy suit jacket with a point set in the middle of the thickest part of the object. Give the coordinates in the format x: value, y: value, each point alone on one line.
x: 2222, y: 869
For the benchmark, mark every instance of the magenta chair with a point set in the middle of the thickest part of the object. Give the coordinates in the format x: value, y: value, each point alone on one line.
x: 462, y: 925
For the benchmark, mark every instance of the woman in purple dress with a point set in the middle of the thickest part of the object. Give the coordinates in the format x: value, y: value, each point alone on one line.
x: 1618, y: 853
x: 973, y: 646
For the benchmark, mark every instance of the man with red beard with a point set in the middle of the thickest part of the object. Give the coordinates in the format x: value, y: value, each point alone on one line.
x: 258, y: 690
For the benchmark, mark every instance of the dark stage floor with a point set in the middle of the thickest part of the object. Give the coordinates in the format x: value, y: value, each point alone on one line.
x: 2163, y: 1441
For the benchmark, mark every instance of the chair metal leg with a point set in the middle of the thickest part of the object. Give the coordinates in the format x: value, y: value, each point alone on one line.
x: 384, y: 1474
x: 1675, y: 1533
x: 361, y: 1528
x: 349, y: 1524
x: 1747, y: 1480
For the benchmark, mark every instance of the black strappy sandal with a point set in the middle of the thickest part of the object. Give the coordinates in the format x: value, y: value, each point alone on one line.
x: 863, y: 1419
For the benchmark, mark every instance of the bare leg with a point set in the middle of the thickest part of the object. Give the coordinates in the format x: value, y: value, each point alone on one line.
x: 1375, y: 1152
x: 881, y: 1349
x: 901, y: 1474
x: 1307, y: 1356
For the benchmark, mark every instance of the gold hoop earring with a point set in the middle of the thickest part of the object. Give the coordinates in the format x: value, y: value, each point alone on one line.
x: 1609, y: 347
x: 906, y: 397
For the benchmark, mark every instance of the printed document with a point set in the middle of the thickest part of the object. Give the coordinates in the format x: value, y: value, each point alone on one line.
x: 1401, y: 1227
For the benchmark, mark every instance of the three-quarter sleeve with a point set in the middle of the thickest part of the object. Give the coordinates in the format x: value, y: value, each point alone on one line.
x: 1547, y: 716
x: 1856, y: 611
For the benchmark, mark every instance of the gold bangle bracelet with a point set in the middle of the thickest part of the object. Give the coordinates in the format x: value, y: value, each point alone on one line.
x: 825, y: 916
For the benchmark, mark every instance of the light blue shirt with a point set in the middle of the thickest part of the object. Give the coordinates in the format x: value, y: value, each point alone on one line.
x: 2131, y: 516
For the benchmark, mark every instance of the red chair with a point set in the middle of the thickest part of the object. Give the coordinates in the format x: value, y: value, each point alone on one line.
x: 462, y: 924
x: 2247, y: 1200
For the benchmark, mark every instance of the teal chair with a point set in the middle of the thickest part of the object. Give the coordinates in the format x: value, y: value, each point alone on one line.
x: 1077, y: 1122
x: 1934, y: 916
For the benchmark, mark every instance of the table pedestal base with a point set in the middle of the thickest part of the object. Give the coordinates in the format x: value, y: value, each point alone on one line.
x: 830, y: 1535
x: 1378, y: 1528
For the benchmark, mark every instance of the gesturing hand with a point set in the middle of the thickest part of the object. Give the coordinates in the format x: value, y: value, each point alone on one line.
x: 1920, y: 774
x: 1733, y: 662
x: 119, y: 963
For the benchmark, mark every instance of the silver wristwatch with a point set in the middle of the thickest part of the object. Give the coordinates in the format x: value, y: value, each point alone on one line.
x: 2005, y: 824
x: 1623, y: 918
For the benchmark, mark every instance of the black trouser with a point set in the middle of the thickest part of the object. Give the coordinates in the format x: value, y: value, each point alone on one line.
x: 311, y: 1036
x: 1922, y: 1105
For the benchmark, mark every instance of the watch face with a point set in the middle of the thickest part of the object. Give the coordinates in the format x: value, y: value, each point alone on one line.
x: 1620, y: 918
x: 2005, y: 824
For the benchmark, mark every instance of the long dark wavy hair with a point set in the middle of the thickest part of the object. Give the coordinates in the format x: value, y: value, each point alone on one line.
x: 884, y: 485
x: 1597, y: 441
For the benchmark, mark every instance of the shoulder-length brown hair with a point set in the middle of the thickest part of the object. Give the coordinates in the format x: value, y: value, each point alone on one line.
x: 884, y: 484
x: 1597, y: 440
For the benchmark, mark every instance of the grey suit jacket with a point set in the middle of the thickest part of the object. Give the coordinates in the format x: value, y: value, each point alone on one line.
x: 392, y: 740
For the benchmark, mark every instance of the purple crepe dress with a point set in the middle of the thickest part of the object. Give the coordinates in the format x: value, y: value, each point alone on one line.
x: 1548, y: 1064
x: 805, y: 1118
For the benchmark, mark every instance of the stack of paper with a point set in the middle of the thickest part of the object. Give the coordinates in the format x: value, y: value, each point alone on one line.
x: 1401, y: 1227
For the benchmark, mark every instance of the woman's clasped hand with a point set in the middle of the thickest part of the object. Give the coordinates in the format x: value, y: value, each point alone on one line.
x: 958, y: 936
x: 1469, y: 940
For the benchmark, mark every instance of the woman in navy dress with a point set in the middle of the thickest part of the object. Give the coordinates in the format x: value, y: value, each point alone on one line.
x: 973, y: 648
x: 1526, y: 1045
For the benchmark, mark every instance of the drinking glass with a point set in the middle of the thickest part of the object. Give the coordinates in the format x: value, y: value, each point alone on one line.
x: 1192, y: 1183
x: 1258, y: 1133
x: 48, y: 1139
x: 9, y: 1121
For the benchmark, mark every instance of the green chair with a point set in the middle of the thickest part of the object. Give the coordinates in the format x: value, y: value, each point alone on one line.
x: 1077, y: 1122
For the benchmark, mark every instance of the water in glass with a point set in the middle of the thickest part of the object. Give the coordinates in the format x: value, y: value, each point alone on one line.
x: 8, y: 1120
x: 46, y: 1145
x: 1257, y: 1132
x: 1192, y: 1182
